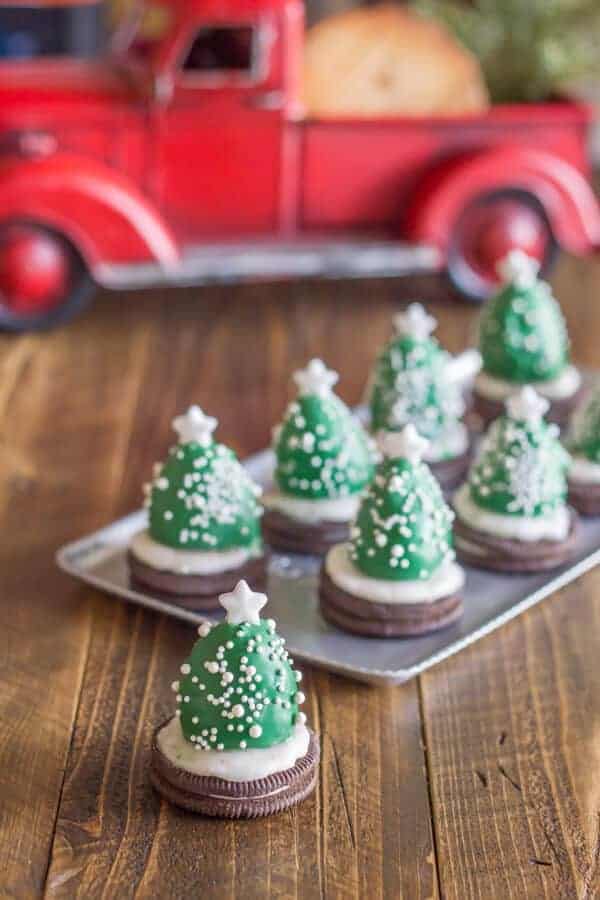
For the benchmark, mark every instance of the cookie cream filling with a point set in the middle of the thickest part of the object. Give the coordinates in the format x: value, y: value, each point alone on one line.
x: 554, y: 527
x: 565, y: 385
x: 232, y: 765
x: 584, y: 470
x: 186, y: 562
x: 448, y: 579
x: 334, y: 509
x: 454, y: 442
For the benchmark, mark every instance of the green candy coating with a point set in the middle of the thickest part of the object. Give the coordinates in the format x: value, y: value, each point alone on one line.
x: 522, y: 335
x: 403, y: 530
x: 322, y: 451
x: 521, y: 469
x: 201, y: 498
x: 254, y: 673
x: 411, y: 385
x: 584, y: 436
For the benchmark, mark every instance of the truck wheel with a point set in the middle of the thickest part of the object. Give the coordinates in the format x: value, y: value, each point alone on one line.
x: 43, y: 279
x: 487, y: 229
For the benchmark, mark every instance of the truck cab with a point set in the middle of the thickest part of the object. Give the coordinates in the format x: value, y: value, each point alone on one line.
x: 225, y: 88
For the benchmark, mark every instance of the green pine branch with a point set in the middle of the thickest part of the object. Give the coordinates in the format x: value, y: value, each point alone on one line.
x: 529, y: 50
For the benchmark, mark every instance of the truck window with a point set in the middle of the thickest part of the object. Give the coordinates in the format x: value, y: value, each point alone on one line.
x: 34, y: 30
x: 223, y: 49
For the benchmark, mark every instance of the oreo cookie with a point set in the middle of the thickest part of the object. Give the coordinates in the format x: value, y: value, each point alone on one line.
x: 585, y: 498
x: 372, y: 619
x: 197, y: 592
x: 450, y: 473
x: 487, y: 551
x: 293, y: 536
x: 220, y: 798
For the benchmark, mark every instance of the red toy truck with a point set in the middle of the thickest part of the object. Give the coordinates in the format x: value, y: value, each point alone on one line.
x: 188, y: 159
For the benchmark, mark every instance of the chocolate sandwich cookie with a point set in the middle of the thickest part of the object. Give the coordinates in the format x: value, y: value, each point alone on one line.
x: 235, y: 799
x: 585, y: 497
x: 451, y: 472
x: 484, y: 410
x: 372, y: 619
x: 198, y: 592
x: 487, y: 551
x: 293, y: 536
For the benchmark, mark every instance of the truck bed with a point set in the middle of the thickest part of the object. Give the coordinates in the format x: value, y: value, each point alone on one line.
x: 363, y: 171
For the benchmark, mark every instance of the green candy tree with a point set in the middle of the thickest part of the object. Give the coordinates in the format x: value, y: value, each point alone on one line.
x: 522, y: 334
x: 322, y: 451
x: 584, y: 436
x: 201, y: 498
x: 238, y: 689
x: 411, y: 382
x: 521, y: 468
x: 403, y: 530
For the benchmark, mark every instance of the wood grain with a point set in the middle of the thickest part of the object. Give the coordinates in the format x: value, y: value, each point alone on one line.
x: 367, y: 830
x: 512, y: 725
x: 478, y: 781
x: 513, y: 753
x: 59, y: 468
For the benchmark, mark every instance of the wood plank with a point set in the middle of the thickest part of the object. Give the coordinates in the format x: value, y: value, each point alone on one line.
x: 367, y: 829
x: 511, y: 725
x: 513, y: 755
x: 62, y: 429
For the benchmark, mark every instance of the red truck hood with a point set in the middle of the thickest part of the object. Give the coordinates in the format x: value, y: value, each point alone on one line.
x: 67, y: 83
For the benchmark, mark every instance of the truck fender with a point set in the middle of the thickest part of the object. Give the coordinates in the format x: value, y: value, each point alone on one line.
x: 563, y: 192
x: 99, y: 210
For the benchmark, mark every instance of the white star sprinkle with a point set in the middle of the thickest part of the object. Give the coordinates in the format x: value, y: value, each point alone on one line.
x: 415, y: 322
x: 519, y: 269
x: 195, y: 426
x: 316, y: 378
x: 406, y: 444
x: 243, y: 604
x: 526, y: 405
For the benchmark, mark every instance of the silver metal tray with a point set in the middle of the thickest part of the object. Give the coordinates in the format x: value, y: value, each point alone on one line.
x: 489, y: 599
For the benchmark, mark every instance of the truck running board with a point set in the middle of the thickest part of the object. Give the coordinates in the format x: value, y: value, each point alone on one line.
x: 254, y: 261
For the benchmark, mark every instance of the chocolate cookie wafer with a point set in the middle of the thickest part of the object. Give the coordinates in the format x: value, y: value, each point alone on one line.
x: 220, y: 798
x: 293, y: 536
x: 585, y: 498
x: 450, y: 473
x: 199, y: 592
x: 373, y: 619
x: 485, y: 410
x: 488, y: 551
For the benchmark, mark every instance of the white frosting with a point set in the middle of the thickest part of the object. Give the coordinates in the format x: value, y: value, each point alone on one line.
x: 232, y: 765
x: 454, y: 442
x: 584, y: 470
x: 448, y: 579
x: 186, y: 562
x: 330, y: 509
x: 553, y: 527
x: 565, y: 385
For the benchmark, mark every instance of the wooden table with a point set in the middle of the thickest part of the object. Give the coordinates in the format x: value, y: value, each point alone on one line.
x: 479, y: 779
